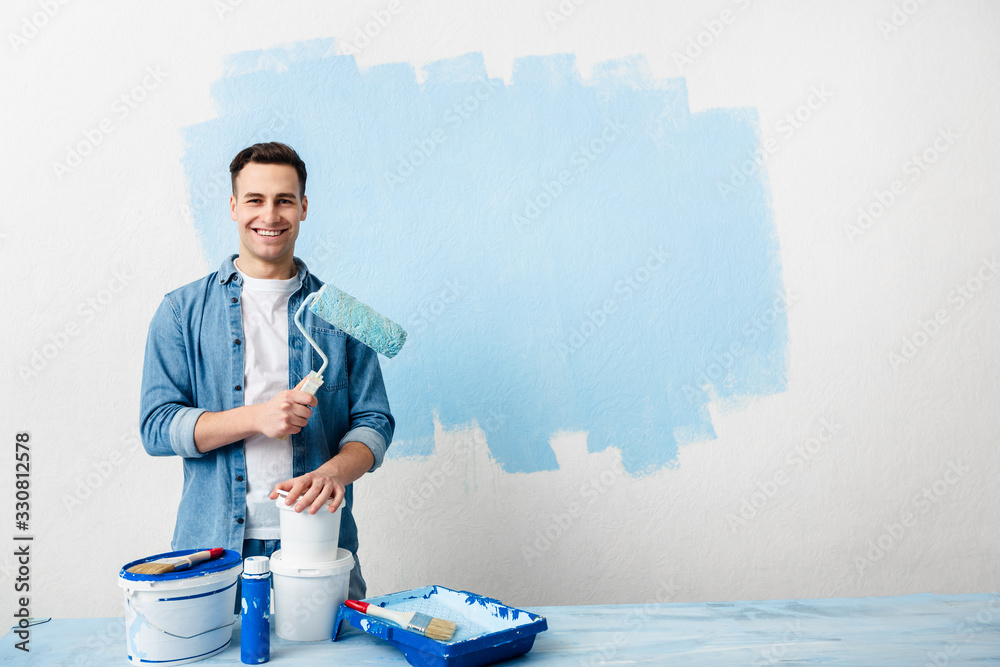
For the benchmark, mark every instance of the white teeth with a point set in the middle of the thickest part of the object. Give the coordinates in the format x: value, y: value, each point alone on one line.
x: 266, y: 232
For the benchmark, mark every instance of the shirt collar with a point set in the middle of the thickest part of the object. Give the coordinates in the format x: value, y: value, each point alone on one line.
x: 228, y: 272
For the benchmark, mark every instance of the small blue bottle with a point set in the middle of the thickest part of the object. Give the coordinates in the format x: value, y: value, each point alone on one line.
x: 255, y: 620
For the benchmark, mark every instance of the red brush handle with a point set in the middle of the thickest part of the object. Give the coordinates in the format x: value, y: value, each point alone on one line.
x: 357, y: 606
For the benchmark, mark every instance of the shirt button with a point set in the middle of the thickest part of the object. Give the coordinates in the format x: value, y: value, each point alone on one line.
x: 237, y: 341
x: 239, y: 478
x: 235, y: 300
x: 240, y: 520
x: 239, y: 388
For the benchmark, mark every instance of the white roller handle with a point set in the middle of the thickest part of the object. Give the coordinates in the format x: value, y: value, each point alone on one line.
x: 310, y: 385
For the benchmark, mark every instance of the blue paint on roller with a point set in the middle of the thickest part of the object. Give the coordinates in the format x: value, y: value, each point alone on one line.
x: 566, y: 254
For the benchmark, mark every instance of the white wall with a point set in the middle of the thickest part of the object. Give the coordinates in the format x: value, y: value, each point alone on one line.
x: 86, y: 259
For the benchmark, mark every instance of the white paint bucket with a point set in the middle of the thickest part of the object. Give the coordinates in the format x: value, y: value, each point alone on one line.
x: 308, y: 596
x: 309, y: 538
x: 180, y: 617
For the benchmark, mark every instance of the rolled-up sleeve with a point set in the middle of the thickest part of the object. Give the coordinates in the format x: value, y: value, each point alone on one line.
x: 167, y: 412
x: 371, y: 422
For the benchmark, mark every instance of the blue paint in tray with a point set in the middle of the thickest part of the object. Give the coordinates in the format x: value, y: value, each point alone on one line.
x: 488, y: 630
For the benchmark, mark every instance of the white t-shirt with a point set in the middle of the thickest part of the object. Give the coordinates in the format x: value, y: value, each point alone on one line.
x: 264, y: 305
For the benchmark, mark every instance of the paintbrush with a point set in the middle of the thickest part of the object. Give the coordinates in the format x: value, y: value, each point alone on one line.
x: 168, y: 565
x: 435, y: 628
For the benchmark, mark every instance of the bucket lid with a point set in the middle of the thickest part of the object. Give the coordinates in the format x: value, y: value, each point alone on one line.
x: 227, y: 561
x: 280, y: 503
x: 344, y: 563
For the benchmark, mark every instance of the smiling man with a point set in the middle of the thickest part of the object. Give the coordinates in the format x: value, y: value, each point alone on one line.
x: 221, y: 355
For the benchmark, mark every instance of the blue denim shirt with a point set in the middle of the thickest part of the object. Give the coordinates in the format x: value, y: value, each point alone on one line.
x: 194, y: 363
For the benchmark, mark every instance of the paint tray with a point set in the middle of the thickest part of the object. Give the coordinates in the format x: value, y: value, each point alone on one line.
x: 488, y: 631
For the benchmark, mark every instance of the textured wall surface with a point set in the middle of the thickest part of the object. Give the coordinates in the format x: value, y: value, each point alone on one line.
x: 821, y: 181
x: 561, y: 252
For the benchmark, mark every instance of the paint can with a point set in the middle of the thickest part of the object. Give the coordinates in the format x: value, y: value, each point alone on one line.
x: 308, y: 596
x: 180, y: 617
x: 309, y: 538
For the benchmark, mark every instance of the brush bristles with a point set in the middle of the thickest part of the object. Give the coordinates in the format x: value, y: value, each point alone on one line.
x: 152, y: 568
x: 440, y: 629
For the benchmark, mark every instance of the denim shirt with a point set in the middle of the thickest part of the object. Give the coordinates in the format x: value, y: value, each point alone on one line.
x: 194, y: 363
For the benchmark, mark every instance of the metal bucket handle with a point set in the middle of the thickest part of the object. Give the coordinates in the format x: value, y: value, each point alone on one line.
x: 138, y: 613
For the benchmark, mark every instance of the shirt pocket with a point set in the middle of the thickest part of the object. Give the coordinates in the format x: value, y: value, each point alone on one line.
x: 333, y: 342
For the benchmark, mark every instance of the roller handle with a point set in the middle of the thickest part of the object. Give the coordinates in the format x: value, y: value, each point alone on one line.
x: 310, y: 384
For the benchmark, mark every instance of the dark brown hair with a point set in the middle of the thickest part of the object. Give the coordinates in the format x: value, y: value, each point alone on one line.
x: 271, y: 152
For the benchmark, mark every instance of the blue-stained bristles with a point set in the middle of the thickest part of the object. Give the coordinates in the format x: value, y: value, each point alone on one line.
x: 357, y: 319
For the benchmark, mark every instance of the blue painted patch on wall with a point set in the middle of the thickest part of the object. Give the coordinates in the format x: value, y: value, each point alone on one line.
x: 559, y: 250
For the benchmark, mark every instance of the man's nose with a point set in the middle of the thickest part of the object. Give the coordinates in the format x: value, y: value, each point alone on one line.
x: 270, y: 213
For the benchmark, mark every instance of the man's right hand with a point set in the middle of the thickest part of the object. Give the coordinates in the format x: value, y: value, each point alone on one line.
x: 285, y: 414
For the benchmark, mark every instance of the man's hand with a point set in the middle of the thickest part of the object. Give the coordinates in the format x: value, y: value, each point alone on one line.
x: 328, y: 481
x: 312, y: 490
x: 285, y: 414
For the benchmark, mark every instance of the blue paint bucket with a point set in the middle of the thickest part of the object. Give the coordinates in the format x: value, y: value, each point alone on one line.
x: 180, y: 617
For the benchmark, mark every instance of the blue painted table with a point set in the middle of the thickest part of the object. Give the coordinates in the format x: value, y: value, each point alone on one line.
x: 935, y: 630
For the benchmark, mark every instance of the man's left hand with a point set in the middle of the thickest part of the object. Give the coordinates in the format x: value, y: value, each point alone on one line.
x: 311, y: 490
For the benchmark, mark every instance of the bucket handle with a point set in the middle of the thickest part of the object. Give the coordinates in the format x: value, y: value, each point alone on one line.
x: 156, y: 627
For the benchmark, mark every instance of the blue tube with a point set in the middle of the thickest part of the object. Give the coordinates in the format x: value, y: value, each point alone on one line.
x: 255, y: 619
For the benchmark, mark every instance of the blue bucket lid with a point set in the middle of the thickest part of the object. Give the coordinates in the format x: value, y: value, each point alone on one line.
x: 228, y: 560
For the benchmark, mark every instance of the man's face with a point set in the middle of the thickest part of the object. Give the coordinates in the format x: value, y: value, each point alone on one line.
x: 267, y: 211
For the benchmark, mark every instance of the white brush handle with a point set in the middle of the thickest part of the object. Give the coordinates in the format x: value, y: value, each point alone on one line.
x: 184, y: 562
x: 400, y: 618
x: 310, y: 385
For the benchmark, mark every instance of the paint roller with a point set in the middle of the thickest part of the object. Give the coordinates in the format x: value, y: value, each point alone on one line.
x: 353, y: 318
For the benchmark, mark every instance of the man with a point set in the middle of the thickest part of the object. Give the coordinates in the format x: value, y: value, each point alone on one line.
x: 221, y: 355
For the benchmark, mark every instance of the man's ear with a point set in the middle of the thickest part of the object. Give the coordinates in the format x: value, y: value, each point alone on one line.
x: 232, y: 207
x: 305, y: 205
